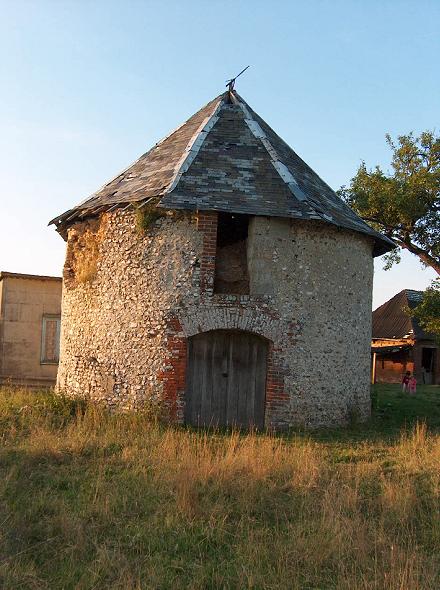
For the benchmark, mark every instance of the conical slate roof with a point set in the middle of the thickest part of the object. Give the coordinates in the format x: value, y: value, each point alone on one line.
x: 226, y: 158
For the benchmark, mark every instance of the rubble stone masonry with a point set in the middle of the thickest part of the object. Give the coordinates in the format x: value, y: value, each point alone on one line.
x: 125, y: 329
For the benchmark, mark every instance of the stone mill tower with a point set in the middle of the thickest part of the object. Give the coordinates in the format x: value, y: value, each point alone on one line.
x: 220, y: 277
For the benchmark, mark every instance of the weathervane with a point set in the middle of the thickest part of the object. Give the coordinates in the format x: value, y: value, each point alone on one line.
x: 230, y: 83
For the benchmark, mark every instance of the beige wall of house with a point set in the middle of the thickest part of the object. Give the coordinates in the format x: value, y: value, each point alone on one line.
x: 30, y: 308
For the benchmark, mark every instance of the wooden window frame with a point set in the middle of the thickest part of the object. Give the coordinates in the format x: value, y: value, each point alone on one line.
x: 45, y: 318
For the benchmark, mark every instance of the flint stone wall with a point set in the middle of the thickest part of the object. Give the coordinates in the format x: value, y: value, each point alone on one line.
x: 124, y: 331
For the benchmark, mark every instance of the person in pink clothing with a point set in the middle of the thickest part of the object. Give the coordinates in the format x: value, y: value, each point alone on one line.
x: 412, y: 385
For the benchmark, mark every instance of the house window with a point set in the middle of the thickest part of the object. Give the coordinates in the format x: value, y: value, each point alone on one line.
x: 50, y: 339
x: 231, y: 261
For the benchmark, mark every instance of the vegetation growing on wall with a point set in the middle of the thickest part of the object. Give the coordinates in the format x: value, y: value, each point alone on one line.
x: 147, y: 215
x: 83, y: 252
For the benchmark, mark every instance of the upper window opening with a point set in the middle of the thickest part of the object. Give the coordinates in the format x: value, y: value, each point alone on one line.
x: 231, y: 264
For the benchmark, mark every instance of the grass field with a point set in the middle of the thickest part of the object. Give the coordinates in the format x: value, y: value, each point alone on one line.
x: 93, y: 501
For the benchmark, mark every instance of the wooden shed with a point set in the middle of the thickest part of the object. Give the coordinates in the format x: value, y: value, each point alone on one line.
x: 400, y: 344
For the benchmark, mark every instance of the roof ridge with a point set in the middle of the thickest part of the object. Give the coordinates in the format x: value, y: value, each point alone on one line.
x: 256, y: 130
x: 285, y: 171
x: 311, y: 201
x: 193, y: 146
x: 220, y: 97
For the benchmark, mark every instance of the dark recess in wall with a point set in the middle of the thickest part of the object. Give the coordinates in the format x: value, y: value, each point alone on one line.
x: 231, y: 265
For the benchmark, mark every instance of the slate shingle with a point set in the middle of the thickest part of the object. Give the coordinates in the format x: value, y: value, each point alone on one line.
x: 226, y: 158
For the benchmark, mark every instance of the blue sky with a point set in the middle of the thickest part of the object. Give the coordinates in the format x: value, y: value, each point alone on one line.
x: 86, y: 87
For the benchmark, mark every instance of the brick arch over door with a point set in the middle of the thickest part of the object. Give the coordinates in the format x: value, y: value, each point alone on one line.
x: 180, y: 328
x: 249, y: 317
x: 226, y: 379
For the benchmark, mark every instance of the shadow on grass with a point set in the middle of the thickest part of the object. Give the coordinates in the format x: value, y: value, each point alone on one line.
x: 394, y: 411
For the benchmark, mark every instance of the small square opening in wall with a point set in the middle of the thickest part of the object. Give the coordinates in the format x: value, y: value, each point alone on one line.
x: 231, y: 262
x: 50, y: 340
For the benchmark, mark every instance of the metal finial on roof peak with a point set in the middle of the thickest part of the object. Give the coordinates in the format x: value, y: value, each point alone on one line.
x: 230, y: 83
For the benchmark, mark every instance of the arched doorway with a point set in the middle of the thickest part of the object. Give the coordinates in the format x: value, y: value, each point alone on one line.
x: 226, y: 379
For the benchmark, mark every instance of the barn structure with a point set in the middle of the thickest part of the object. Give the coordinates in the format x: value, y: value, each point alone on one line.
x: 221, y: 277
x: 400, y: 344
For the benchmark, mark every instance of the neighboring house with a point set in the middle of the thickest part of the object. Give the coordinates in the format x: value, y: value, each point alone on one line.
x: 30, y: 311
x: 399, y: 343
x: 220, y: 276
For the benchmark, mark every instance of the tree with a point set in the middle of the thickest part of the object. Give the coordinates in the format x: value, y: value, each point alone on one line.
x: 428, y: 311
x: 404, y: 205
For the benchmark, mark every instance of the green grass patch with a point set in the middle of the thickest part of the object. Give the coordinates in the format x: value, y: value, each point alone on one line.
x: 94, y: 500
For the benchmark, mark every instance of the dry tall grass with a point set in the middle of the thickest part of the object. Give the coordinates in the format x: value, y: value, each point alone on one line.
x: 92, y: 500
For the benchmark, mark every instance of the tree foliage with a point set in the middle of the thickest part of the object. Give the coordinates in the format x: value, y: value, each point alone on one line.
x: 428, y: 311
x: 404, y: 205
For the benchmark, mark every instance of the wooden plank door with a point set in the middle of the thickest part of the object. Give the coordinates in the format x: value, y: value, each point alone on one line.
x: 226, y: 379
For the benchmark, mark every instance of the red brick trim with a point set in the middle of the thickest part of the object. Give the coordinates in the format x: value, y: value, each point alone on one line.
x: 276, y: 397
x: 207, y: 224
x: 173, y: 373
